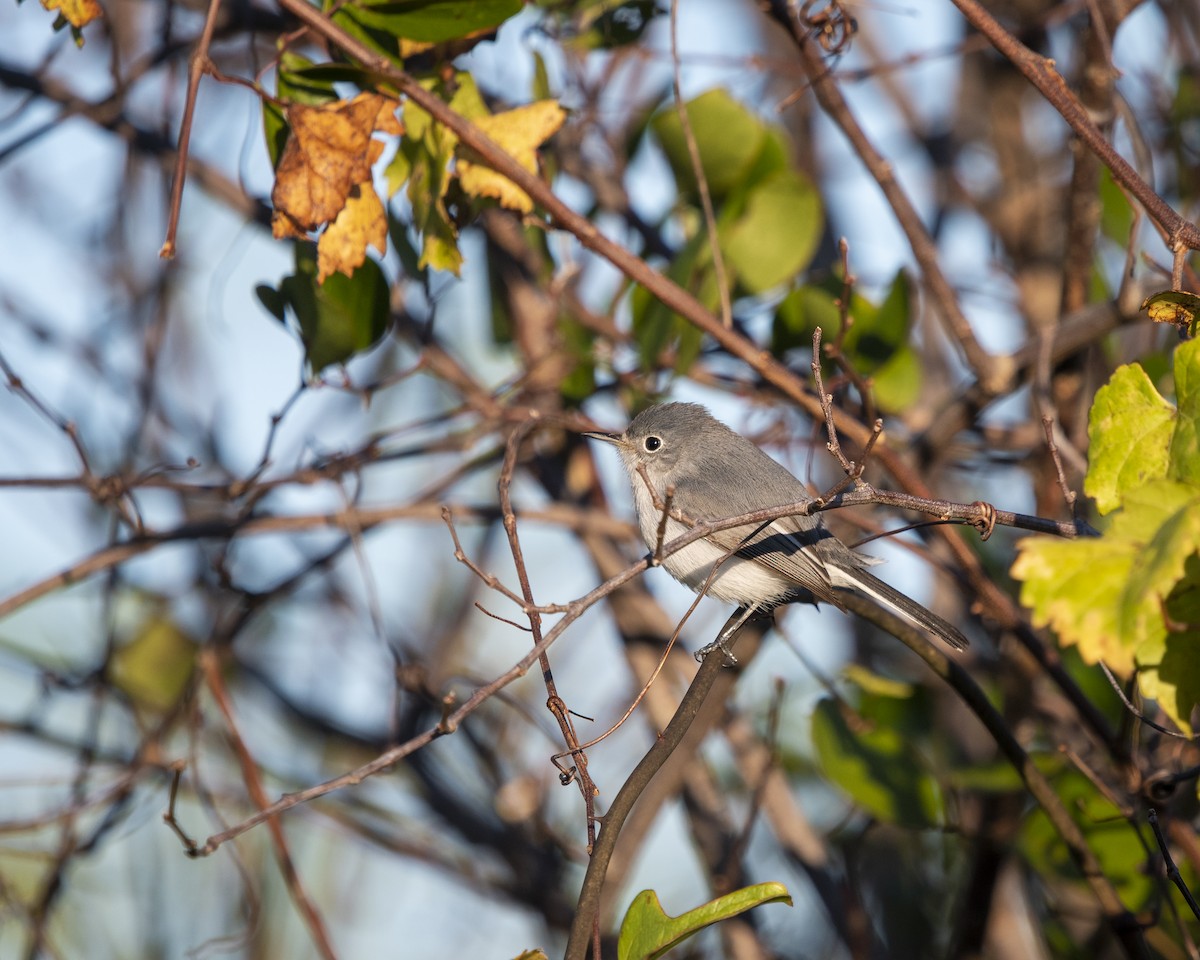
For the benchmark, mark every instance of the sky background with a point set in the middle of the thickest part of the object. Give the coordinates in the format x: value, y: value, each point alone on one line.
x: 231, y: 367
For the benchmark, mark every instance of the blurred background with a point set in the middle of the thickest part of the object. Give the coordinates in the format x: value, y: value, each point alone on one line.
x: 226, y: 565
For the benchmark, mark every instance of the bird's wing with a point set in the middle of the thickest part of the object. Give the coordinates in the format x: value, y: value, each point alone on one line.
x: 827, y: 569
x: 792, y: 553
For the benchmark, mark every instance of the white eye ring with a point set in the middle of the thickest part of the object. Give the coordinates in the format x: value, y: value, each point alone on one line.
x: 651, y: 444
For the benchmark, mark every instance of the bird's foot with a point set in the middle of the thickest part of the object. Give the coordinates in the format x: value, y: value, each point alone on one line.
x: 722, y: 644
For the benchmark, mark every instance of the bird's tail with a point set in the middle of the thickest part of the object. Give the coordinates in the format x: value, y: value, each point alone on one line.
x: 868, y: 585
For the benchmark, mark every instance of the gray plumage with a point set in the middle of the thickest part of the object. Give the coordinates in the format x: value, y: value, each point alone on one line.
x: 717, y: 473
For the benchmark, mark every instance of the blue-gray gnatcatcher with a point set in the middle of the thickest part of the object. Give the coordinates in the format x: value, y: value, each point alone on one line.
x: 716, y: 474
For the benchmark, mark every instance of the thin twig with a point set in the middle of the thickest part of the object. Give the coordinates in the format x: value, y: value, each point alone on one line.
x: 972, y: 514
x: 1173, y: 873
x: 836, y: 350
x: 826, y: 399
x: 208, y: 661
x: 706, y: 204
x: 662, y: 523
x: 1135, y: 711
x: 1069, y: 496
x: 169, y: 817
x: 200, y: 64
x: 554, y: 702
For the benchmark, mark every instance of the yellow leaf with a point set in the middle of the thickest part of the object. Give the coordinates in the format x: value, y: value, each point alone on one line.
x: 362, y: 223
x: 410, y: 48
x: 519, y: 133
x: 328, y: 152
x: 155, y: 667
x: 78, y: 13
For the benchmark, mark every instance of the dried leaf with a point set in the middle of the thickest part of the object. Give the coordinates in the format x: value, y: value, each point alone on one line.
x: 387, y: 121
x: 1172, y: 306
x: 327, y: 154
x: 342, y: 248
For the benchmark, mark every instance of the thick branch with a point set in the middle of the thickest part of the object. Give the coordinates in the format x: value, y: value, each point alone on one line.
x: 711, y: 671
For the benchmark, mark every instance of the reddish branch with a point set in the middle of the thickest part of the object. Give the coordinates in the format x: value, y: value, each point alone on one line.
x: 211, y: 668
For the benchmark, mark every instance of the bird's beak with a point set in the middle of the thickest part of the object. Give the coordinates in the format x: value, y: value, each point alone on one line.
x: 616, y: 439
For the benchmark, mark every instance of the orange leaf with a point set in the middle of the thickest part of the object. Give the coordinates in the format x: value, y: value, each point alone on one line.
x: 387, y: 121
x: 327, y: 154
x: 362, y: 222
x: 78, y: 13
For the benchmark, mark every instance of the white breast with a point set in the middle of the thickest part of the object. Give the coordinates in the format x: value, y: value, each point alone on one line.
x: 739, y: 581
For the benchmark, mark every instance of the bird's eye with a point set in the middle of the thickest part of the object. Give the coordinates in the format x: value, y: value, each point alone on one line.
x: 652, y: 443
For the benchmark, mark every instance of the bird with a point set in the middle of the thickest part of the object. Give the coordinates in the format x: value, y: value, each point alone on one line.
x: 714, y: 473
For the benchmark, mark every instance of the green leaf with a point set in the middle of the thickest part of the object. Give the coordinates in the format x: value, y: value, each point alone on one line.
x: 1107, y: 596
x: 1161, y: 565
x: 647, y: 932
x: 1129, y: 433
x: 1168, y: 656
x: 352, y: 20
x: 876, y: 345
x: 409, y: 257
x: 423, y: 161
x: 299, y: 80
x: 339, y: 318
x: 580, y: 383
x: 1173, y: 681
x: 876, y: 766
x: 873, y: 683
x: 1075, y: 588
x: 729, y: 138
x: 775, y: 157
x: 466, y: 99
x: 997, y: 777
x: 799, y: 314
x: 397, y: 172
x: 540, y: 85
x: 1116, y: 215
x: 1090, y: 590
x: 427, y: 148
x: 273, y: 300
x: 897, y: 384
x: 1186, y: 103
x: 439, y: 242
x: 882, y: 702
x: 776, y: 237
x: 1121, y: 853
x: 656, y: 328
x: 1185, y: 442
x: 435, y: 21
x: 878, y: 333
